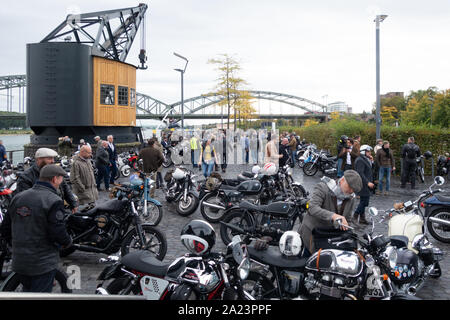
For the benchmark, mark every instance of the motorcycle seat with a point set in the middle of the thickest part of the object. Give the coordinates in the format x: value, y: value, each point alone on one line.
x: 399, y: 241
x: 272, y: 256
x: 111, y: 206
x: 144, y: 261
x: 442, y: 197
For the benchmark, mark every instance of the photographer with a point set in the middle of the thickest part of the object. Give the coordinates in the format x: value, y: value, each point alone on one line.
x: 341, y: 144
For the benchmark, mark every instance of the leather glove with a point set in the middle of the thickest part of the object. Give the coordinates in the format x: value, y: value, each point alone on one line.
x: 262, y: 243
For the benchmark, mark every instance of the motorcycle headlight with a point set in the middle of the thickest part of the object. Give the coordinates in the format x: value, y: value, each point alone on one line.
x: 244, y: 269
x: 289, y: 171
x: 390, y: 254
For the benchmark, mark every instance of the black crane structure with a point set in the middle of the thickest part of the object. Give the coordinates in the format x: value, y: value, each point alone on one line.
x: 110, y: 32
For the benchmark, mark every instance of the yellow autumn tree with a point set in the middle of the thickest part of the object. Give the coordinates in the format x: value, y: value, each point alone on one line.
x: 335, y: 115
x: 310, y: 122
x: 389, y: 114
x: 230, y: 86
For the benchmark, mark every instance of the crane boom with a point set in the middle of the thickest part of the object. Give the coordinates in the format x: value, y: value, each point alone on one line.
x: 96, y: 28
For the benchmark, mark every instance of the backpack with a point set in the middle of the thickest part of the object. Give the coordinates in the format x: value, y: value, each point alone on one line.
x: 411, y: 152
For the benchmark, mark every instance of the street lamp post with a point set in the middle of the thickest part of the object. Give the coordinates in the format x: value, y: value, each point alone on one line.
x: 378, y: 19
x: 182, y: 87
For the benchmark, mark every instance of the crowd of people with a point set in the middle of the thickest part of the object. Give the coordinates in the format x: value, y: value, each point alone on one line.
x: 42, y: 190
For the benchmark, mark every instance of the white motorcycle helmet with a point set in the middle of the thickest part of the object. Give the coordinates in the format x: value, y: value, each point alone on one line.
x: 270, y: 169
x: 178, y: 174
x: 290, y: 243
x: 365, y: 148
x: 256, y: 169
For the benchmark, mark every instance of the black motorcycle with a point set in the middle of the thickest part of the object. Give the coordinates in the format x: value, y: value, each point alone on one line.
x: 218, y: 195
x: 215, y: 276
x: 181, y: 190
x: 112, y: 226
x: 443, y: 165
x: 347, y: 267
x: 322, y: 161
x: 282, y: 215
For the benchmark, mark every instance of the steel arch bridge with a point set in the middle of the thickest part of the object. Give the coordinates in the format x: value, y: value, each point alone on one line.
x: 154, y: 108
x: 151, y: 106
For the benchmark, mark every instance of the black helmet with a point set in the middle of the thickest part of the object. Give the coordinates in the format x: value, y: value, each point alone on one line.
x: 198, y: 237
x: 428, y: 155
x: 344, y: 138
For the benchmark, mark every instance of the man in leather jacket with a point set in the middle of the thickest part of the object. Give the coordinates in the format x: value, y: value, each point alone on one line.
x: 35, y: 226
x: 410, y: 151
x: 26, y: 180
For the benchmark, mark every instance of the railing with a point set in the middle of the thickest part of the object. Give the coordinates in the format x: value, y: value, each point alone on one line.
x: 19, y: 155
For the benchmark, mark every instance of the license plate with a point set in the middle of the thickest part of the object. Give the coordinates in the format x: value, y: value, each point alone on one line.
x: 153, y: 288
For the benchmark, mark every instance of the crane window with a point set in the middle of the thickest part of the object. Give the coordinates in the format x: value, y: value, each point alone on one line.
x: 107, y: 94
x: 123, y: 96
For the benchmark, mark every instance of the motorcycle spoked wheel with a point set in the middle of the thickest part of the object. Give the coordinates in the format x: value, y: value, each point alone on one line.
x: 155, y: 242
x: 187, y: 208
x: 310, y: 169
x: 13, y: 284
x: 437, y: 231
x: 126, y: 172
x: 237, y: 218
x: 421, y: 174
x: 212, y: 214
x: 153, y: 215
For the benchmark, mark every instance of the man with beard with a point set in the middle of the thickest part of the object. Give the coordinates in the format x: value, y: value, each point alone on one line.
x: 330, y: 200
x: 26, y: 180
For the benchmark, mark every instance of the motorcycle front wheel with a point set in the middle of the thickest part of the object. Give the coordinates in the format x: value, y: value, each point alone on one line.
x: 188, y: 207
x: 155, y: 242
x: 310, y: 169
x: 153, y: 215
x: 212, y: 214
x: 438, y: 231
x: 237, y: 218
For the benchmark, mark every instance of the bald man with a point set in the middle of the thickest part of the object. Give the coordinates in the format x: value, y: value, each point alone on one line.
x: 82, y: 177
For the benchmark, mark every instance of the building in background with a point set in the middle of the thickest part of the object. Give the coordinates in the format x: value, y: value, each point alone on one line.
x: 391, y: 95
x: 339, y: 106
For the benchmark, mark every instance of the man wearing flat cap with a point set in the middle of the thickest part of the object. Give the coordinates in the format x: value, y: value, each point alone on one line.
x: 26, y: 180
x: 330, y: 200
x: 36, y: 229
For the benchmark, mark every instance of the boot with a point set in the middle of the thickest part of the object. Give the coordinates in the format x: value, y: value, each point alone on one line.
x: 362, y: 219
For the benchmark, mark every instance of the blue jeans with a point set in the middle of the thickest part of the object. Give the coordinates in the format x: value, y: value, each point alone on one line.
x: 207, y: 168
x: 39, y: 283
x: 384, y: 171
x: 339, y: 166
x: 363, y: 203
x: 293, y: 156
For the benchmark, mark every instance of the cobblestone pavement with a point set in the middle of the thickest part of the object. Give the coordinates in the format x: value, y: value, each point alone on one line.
x: 172, y: 223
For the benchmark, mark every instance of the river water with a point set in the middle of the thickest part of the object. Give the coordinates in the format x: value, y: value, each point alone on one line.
x: 17, y: 141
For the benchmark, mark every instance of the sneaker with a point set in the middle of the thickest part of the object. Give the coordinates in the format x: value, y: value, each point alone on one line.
x: 386, y: 193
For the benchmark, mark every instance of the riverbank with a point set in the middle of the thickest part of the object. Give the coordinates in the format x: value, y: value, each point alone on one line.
x: 14, y: 132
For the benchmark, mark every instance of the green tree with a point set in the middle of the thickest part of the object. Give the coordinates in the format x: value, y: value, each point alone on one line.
x: 230, y: 86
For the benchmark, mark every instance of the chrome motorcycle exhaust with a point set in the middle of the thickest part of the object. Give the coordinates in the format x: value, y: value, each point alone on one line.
x: 215, y: 206
x: 439, y: 221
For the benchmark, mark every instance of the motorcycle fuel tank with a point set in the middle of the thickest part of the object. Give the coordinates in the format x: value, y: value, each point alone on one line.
x: 340, y: 262
x: 409, y: 225
x: 249, y: 187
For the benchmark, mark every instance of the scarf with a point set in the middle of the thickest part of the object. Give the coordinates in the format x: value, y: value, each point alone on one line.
x: 386, y: 150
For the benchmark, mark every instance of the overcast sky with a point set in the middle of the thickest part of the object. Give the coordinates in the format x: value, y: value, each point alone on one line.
x: 304, y: 48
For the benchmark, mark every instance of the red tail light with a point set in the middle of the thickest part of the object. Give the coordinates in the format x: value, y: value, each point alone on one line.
x: 422, y: 205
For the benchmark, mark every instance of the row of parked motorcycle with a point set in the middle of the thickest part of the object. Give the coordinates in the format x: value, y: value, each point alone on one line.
x: 259, y: 204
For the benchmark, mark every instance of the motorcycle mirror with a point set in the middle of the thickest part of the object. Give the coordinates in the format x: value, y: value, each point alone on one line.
x: 373, y: 211
x: 439, y: 180
x: 141, y: 161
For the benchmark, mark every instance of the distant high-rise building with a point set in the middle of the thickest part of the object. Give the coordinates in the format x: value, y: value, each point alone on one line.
x: 391, y: 95
x: 339, y: 106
